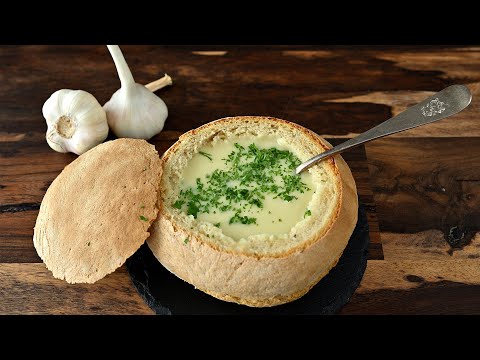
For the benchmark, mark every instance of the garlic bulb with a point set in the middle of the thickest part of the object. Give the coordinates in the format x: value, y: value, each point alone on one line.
x: 76, y: 121
x: 133, y: 111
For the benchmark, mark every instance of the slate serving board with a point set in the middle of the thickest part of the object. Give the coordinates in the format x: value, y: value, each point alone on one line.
x: 168, y: 295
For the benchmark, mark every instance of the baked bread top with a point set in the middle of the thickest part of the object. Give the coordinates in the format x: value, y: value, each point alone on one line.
x: 323, y: 180
x: 97, y: 212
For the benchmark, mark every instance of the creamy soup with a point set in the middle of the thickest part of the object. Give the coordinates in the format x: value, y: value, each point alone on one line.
x: 245, y: 186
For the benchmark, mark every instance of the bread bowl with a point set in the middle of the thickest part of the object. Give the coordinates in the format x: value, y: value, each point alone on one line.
x: 233, y: 251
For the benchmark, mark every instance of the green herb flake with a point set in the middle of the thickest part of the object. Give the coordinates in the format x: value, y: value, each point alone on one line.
x: 207, y: 155
x: 193, y: 209
x: 242, y: 219
x: 307, y: 213
x: 186, y: 240
x: 143, y: 218
x: 217, y: 225
x: 178, y: 204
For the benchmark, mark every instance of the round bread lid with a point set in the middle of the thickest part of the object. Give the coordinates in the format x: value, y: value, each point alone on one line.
x: 97, y: 212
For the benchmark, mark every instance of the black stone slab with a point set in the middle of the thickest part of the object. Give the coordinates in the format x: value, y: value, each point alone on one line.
x: 166, y: 294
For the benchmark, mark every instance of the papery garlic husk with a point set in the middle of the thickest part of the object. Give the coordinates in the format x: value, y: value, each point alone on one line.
x: 133, y: 111
x: 76, y: 121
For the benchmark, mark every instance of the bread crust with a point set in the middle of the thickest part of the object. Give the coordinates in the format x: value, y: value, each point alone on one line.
x: 97, y: 211
x: 257, y: 280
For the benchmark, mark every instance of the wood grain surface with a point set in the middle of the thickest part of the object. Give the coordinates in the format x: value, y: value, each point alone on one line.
x: 421, y: 187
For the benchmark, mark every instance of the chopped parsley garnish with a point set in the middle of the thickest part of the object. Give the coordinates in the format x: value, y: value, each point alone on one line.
x: 217, y: 225
x: 207, y: 155
x: 193, y: 208
x: 249, y: 175
x: 186, y: 241
x: 143, y: 218
x: 242, y: 219
x: 178, y: 204
x: 307, y: 213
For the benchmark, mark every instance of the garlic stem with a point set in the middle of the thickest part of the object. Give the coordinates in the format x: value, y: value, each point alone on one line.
x: 124, y: 73
x: 159, y: 84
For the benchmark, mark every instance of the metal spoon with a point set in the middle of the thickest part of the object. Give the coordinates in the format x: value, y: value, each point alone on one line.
x: 441, y: 105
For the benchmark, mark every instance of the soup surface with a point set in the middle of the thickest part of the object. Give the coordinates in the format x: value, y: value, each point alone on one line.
x: 246, y: 186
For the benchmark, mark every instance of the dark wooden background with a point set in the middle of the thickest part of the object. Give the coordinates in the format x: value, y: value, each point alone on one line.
x: 421, y: 187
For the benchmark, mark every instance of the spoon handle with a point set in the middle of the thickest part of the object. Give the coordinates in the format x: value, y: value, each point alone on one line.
x: 441, y: 105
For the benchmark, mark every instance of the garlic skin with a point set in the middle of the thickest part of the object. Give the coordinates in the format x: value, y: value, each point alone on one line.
x: 76, y: 122
x: 133, y: 111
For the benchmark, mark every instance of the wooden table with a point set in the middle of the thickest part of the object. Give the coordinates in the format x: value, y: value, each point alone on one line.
x: 421, y: 187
